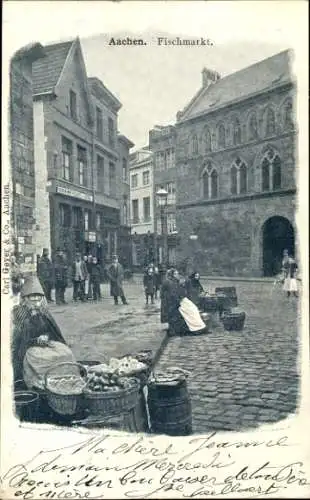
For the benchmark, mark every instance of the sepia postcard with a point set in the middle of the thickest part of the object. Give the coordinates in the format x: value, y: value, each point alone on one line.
x: 154, y: 265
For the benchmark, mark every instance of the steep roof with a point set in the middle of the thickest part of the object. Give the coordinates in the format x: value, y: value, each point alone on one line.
x: 102, y: 92
x: 31, y: 51
x: 46, y: 71
x: 262, y: 76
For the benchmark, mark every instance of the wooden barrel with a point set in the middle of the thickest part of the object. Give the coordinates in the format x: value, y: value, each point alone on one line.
x: 170, y: 409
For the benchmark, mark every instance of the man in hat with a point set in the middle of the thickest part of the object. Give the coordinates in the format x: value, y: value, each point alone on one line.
x: 32, y: 324
x: 45, y: 273
x: 116, y: 275
x: 79, y: 276
x: 60, y: 270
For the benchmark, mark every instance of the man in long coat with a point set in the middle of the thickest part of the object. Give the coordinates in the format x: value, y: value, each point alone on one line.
x: 45, y: 273
x: 116, y: 276
x: 60, y: 276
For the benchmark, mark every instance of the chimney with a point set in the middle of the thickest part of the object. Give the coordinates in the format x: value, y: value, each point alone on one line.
x: 209, y: 77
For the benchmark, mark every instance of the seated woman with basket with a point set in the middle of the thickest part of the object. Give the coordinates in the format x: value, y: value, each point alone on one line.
x: 37, y: 342
x: 181, y: 314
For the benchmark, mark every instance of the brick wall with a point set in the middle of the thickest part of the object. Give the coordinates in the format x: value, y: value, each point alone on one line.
x: 230, y: 231
x: 229, y: 234
x: 43, y: 233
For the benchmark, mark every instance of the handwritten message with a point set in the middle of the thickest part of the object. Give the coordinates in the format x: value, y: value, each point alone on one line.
x: 100, y: 466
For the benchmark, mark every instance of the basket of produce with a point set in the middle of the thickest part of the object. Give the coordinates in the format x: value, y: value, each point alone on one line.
x: 145, y: 356
x: 130, y: 366
x: 64, y: 384
x: 171, y: 376
x: 233, y: 320
x: 107, y: 393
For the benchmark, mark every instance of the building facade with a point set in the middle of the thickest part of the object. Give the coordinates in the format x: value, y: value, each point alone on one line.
x: 162, y: 142
x: 78, y: 172
x: 236, y: 171
x: 142, y: 207
x: 24, y: 228
x: 125, y: 247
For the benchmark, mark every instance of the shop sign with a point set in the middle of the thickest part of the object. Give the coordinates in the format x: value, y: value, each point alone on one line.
x: 27, y: 267
x: 73, y: 193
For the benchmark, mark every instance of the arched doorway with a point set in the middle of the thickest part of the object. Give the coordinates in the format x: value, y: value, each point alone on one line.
x: 278, y: 234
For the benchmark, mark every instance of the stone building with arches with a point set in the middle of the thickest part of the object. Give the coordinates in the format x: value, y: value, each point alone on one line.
x: 236, y: 166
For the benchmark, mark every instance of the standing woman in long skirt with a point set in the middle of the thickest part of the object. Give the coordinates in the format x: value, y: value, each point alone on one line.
x: 289, y: 267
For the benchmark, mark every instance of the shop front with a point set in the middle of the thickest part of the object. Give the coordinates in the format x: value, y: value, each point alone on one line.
x: 71, y: 215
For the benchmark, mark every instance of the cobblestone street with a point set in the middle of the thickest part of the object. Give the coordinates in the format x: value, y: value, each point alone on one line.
x: 238, y: 379
x: 99, y: 331
x: 241, y: 379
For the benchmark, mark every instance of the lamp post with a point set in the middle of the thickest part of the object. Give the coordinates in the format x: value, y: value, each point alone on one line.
x: 193, y: 238
x: 162, y: 196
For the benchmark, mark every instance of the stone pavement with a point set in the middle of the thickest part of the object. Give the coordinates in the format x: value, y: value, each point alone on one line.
x: 238, y: 379
x: 99, y: 331
x: 242, y: 379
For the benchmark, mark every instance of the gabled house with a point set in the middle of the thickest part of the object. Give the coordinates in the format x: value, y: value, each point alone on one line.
x: 76, y: 156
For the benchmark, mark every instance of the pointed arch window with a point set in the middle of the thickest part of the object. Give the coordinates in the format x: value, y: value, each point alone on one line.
x: 238, y: 177
x: 236, y: 132
x: 270, y: 122
x: 214, y: 184
x: 253, y: 133
x: 288, y: 115
x: 209, y: 182
x: 194, y: 144
x: 271, y: 171
x: 221, y: 136
x: 207, y: 140
x: 243, y: 175
x: 265, y: 175
x: 205, y: 185
x: 276, y: 172
x: 233, y: 180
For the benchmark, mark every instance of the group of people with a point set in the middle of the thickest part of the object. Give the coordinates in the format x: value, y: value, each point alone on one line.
x: 151, y: 282
x: 85, y: 273
x: 180, y: 303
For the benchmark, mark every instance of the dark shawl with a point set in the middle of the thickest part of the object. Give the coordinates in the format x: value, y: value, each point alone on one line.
x: 26, y: 330
x: 193, y: 289
x: 172, y: 292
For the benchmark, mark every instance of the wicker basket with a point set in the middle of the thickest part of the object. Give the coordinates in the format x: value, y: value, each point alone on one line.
x: 63, y: 404
x: 112, y: 403
x: 233, y: 320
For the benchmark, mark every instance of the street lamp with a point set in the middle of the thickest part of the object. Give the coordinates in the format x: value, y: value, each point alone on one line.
x: 162, y: 196
x: 193, y: 238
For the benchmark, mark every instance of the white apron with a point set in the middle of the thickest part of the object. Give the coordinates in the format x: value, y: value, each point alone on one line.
x: 191, y: 315
x: 290, y: 285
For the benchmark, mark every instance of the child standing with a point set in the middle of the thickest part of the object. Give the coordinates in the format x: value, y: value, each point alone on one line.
x: 149, y: 283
